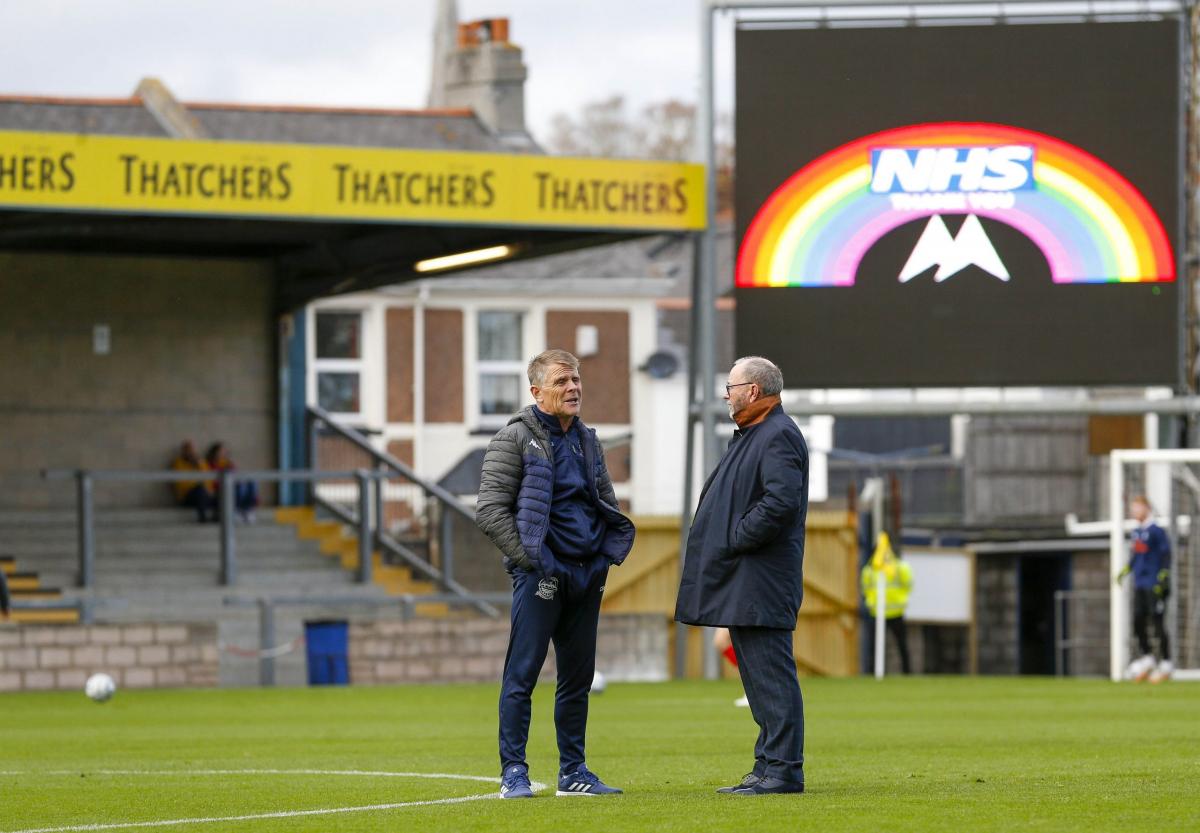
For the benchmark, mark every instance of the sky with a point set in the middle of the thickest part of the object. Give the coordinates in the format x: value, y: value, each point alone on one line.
x: 372, y: 53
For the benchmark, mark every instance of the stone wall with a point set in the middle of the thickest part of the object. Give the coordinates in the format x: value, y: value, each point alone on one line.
x: 40, y: 658
x: 631, y: 647
x: 1088, y: 617
x: 996, y: 614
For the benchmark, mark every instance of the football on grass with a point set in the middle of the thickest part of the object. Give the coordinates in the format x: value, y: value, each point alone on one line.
x: 100, y: 687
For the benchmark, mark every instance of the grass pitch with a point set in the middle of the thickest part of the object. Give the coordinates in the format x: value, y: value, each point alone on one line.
x: 918, y: 754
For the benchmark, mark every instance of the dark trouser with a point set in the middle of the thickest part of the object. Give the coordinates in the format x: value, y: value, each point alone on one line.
x: 768, y: 669
x: 202, y: 499
x: 569, y: 618
x: 245, y: 495
x: 899, y: 632
x: 1149, y: 610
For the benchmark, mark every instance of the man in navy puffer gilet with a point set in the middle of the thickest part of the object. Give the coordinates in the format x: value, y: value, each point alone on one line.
x: 547, y: 501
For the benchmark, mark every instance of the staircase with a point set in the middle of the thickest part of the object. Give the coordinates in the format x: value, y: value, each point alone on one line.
x: 335, y: 541
x: 24, y: 586
x: 160, y: 565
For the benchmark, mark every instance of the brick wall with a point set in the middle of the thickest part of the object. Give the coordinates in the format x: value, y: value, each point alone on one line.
x: 605, y: 375
x: 631, y: 647
x: 34, y: 658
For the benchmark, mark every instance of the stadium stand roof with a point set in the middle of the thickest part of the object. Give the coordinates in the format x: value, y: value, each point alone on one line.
x: 320, y: 254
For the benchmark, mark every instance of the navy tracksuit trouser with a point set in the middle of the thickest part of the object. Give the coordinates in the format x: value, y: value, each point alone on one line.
x: 564, y: 609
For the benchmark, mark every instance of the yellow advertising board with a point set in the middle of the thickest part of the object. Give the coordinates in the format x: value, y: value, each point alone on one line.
x: 216, y: 178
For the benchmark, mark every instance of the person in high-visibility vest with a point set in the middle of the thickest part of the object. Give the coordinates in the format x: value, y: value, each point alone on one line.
x: 898, y: 584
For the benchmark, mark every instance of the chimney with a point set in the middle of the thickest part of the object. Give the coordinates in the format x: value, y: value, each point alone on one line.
x: 445, y: 41
x: 481, y: 70
x: 175, y: 119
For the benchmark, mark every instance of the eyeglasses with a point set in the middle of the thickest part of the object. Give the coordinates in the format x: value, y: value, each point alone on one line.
x: 729, y: 388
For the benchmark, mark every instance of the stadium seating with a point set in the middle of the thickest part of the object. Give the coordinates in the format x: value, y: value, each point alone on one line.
x: 155, y: 565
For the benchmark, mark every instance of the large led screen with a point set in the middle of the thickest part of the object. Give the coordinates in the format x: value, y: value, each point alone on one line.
x: 960, y: 205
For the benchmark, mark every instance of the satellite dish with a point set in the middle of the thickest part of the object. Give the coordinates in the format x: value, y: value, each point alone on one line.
x: 661, y: 365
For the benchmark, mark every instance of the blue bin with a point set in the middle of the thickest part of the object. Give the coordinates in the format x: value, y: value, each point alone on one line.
x: 327, y: 644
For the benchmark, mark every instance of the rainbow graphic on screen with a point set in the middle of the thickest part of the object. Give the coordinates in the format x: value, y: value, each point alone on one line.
x: 1089, y: 222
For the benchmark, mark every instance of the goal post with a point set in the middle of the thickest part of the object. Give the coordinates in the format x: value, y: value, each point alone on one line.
x: 1172, y: 464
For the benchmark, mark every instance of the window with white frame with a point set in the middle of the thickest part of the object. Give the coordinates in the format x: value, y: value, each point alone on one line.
x: 501, y: 366
x: 339, y: 361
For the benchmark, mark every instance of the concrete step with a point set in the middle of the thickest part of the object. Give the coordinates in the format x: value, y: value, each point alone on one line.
x: 183, y: 532
x: 23, y: 581
x: 165, y: 549
x: 204, y: 604
x: 64, y: 616
x: 173, y: 553
x: 49, y: 517
x: 159, y: 564
x: 137, y: 579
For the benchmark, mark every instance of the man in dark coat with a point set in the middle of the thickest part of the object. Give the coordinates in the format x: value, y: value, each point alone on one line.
x: 547, y: 502
x: 743, y: 567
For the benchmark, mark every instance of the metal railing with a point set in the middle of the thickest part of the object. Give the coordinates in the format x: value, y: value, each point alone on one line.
x: 85, y: 482
x: 430, y: 508
x: 368, y: 486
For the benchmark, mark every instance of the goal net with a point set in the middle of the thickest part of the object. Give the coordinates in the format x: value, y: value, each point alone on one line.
x: 1170, y: 479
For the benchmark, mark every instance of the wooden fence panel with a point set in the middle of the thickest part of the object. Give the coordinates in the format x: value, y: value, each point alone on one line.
x: 827, y: 631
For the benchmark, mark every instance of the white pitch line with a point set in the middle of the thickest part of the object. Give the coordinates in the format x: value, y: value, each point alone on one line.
x: 438, y: 775
x: 537, y: 787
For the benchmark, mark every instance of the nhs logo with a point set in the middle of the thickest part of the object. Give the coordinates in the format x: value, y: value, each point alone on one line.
x: 944, y: 169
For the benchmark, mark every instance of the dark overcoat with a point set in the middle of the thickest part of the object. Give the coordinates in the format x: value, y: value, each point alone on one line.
x: 745, y: 551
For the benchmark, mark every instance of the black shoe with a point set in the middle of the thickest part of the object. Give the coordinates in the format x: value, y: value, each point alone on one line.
x: 748, y: 780
x: 770, y: 786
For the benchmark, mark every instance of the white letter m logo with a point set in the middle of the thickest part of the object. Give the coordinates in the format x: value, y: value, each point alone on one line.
x: 951, y: 255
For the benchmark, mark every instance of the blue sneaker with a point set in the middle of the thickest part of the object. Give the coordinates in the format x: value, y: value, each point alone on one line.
x: 515, y: 783
x: 584, y: 782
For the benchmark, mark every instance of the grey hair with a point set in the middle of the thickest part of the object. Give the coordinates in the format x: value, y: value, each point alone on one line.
x: 763, y: 373
x: 542, y: 362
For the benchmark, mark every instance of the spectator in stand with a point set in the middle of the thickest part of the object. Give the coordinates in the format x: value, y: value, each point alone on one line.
x: 4, y: 601
x: 195, y: 493
x: 245, y: 492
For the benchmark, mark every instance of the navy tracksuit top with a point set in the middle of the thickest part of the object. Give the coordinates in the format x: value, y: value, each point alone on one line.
x: 1151, y: 553
x: 576, y: 528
